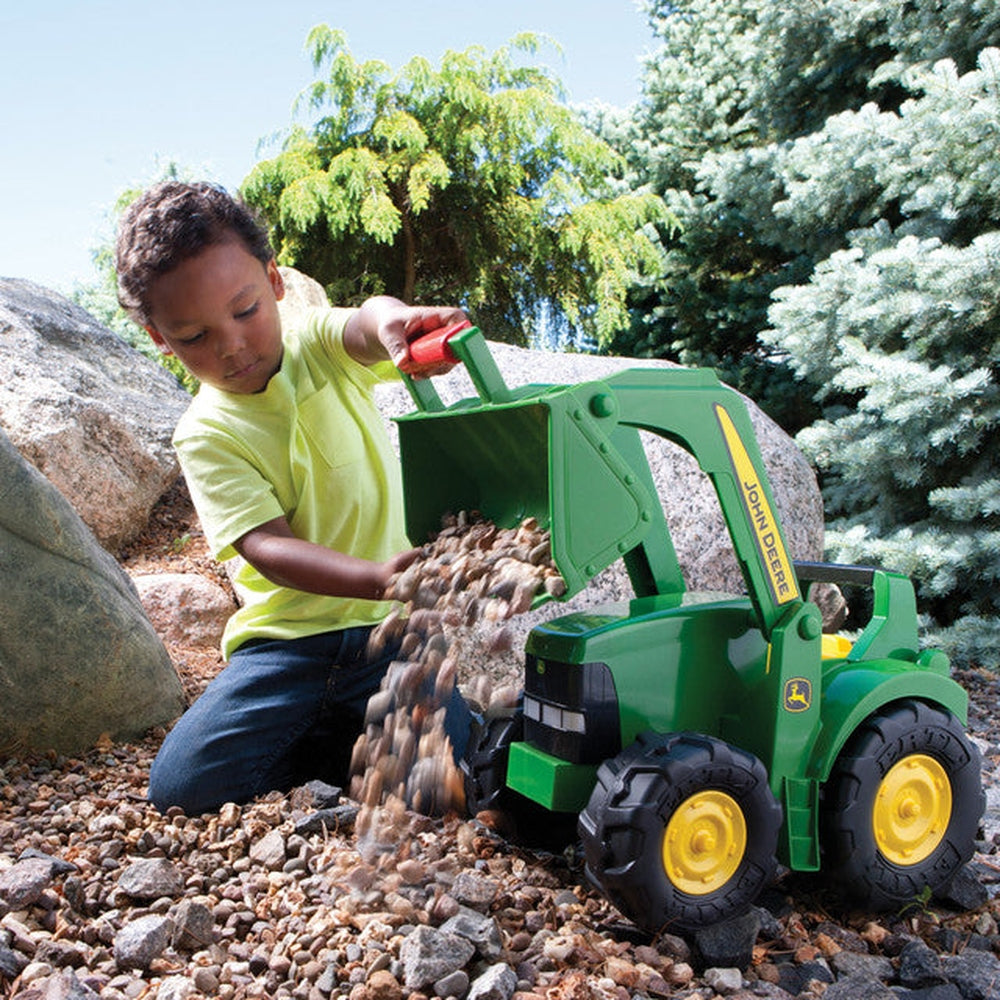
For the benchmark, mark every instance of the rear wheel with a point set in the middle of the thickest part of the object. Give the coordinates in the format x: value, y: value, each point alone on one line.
x: 484, y: 766
x: 902, y: 805
x: 681, y: 831
x: 484, y: 770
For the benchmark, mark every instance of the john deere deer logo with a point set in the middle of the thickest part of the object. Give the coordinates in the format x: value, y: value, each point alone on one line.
x: 798, y: 694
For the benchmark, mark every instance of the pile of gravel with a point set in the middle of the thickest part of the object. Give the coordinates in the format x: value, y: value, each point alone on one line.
x: 102, y: 896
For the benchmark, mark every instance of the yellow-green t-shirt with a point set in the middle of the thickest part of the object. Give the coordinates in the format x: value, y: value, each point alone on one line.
x: 311, y: 447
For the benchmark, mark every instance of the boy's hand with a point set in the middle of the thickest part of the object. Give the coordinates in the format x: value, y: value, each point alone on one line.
x: 389, y: 570
x: 398, y: 334
x: 386, y: 326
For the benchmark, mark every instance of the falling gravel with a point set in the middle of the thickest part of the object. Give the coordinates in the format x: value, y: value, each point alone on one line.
x: 472, y: 572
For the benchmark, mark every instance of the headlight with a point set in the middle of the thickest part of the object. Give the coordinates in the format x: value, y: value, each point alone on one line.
x: 554, y: 716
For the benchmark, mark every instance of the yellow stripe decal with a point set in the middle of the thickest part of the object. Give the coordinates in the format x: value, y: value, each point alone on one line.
x: 774, y: 558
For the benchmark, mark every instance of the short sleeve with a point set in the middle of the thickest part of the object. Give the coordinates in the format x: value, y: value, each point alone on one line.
x: 328, y: 328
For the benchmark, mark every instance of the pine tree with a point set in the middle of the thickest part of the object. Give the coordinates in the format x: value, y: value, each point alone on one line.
x: 905, y: 324
x: 832, y: 166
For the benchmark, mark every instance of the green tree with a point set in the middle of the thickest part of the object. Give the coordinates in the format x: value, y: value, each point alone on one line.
x: 471, y: 183
x: 904, y: 322
x: 747, y: 77
x: 831, y: 164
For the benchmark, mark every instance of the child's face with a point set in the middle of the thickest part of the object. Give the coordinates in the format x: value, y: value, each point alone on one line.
x: 218, y: 312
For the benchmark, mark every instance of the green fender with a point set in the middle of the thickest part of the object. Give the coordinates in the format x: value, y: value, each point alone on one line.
x: 854, y: 691
x: 851, y: 693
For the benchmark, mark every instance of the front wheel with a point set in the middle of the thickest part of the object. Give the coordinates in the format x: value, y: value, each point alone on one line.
x: 681, y: 831
x: 902, y: 805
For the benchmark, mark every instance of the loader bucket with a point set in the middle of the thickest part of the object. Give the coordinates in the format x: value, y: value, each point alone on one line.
x: 538, y: 451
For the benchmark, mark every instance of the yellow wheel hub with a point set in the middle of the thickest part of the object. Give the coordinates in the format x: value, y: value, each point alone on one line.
x: 912, y: 809
x: 704, y: 842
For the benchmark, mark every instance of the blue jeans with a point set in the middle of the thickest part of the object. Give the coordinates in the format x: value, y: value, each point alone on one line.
x: 281, y: 713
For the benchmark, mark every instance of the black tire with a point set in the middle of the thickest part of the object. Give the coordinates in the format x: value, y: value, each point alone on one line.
x: 484, y: 765
x: 627, y: 831
x: 484, y: 771
x: 889, y: 776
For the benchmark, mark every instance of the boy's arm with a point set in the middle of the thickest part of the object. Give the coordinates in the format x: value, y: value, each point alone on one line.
x: 383, y: 328
x: 289, y: 561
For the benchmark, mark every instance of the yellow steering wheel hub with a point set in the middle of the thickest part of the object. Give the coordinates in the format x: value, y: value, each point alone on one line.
x: 912, y: 809
x: 704, y: 842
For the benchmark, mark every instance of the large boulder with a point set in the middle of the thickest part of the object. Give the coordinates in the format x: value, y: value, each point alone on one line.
x: 689, y: 501
x: 78, y: 656
x: 93, y: 414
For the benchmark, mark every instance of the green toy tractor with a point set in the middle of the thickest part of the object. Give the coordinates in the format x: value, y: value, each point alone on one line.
x: 697, y: 739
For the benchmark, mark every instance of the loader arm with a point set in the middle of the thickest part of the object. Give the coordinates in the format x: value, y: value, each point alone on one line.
x: 694, y: 410
x: 571, y: 456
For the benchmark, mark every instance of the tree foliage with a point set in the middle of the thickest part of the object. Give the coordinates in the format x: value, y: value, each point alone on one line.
x: 905, y: 322
x: 100, y: 296
x: 832, y: 167
x: 472, y: 183
x: 747, y: 76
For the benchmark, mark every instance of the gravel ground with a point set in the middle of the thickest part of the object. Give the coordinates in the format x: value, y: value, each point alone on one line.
x: 101, y: 895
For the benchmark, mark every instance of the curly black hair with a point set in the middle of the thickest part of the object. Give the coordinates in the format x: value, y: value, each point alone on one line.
x: 172, y: 222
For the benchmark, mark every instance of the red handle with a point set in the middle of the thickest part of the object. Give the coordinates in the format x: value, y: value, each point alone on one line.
x: 431, y: 350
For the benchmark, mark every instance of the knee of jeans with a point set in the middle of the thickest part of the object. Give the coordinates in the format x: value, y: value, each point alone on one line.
x: 175, y: 780
x: 163, y: 791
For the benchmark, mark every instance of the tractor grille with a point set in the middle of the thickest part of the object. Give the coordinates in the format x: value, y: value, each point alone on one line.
x: 571, y: 710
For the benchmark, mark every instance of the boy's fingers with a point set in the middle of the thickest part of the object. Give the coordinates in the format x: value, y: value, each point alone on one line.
x: 397, y: 348
x: 426, y: 320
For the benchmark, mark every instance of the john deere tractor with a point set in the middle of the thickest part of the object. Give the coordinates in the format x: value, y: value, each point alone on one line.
x: 698, y: 739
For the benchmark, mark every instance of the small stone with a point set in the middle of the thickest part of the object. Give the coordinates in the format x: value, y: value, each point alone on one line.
x: 323, y: 795
x: 481, y: 930
x: 60, y: 953
x: 151, y: 878
x: 674, y: 947
x: 520, y: 941
x: 428, y: 955
x: 498, y: 982
x: 680, y: 974
x: 333, y: 820
x: 12, y: 963
x: 729, y: 944
x: 35, y: 970
x: 142, y: 940
x: 850, y: 963
x: 383, y: 985
x: 67, y: 986
x: 175, y: 988
x: 270, y: 850
x: 411, y: 871
x: 24, y: 882
x: 859, y: 987
x: 919, y: 966
x: 976, y: 973
x: 965, y: 891
x: 454, y: 985
x: 559, y: 948
x: 621, y: 972
x: 193, y: 926
x: 205, y: 980
x: 724, y: 981
x: 444, y: 907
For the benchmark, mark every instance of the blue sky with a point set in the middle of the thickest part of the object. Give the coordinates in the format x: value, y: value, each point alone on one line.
x: 97, y: 97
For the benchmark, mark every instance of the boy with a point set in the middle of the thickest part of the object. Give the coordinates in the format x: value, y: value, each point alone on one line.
x: 289, y: 466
